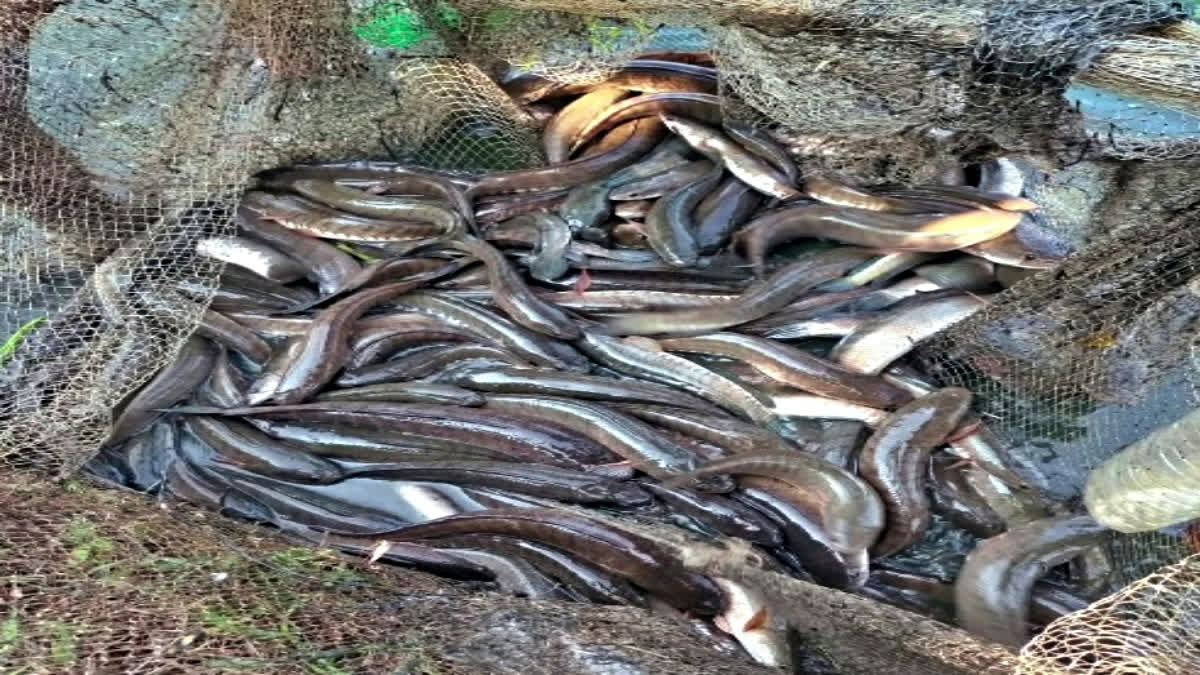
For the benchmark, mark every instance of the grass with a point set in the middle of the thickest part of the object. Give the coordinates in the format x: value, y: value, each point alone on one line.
x: 325, y: 565
x: 64, y: 643
x: 10, y: 632
x: 86, y: 545
x: 602, y: 35
x: 10, y: 345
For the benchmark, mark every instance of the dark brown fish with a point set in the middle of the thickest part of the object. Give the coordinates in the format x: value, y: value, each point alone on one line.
x: 175, y: 382
x: 638, y: 559
x: 993, y: 589
x: 794, y: 367
x: 656, y: 76
x: 896, y: 457
x: 776, y: 292
x: 640, y: 137
x: 545, y: 382
x: 629, y: 438
x: 241, y: 445
x: 226, y: 331
x: 723, y: 515
x: 328, y: 267
x: 696, y: 105
x: 723, y: 212
x: 894, y: 232
x: 443, y: 426
x: 847, y: 509
x: 406, y: 392
x: 423, y: 363
x: 325, y: 344
x: 540, y: 480
x: 669, y: 226
x: 514, y: 297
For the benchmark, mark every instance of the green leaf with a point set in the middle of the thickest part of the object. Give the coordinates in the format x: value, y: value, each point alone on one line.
x: 347, y: 248
x: 10, y: 345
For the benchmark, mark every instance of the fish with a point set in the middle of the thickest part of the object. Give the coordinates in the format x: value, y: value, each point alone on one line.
x: 240, y: 445
x: 541, y: 480
x: 443, y: 427
x: 406, y: 392
x: 848, y: 510
x: 745, y: 165
x: 578, y: 579
x: 962, y: 195
x: 957, y: 501
x: 926, y: 232
x: 992, y: 592
x: 639, y: 137
x: 251, y: 255
x: 723, y: 515
x: 337, y: 212
x: 534, y: 347
x: 514, y: 296
x: 622, y: 553
x: 389, y: 178
x: 513, y: 575
x: 573, y: 117
x: 965, y: 274
x: 324, y: 347
x: 325, y: 265
x: 225, y: 331
x: 836, y: 193
x: 669, y: 224
x: 880, y: 270
x: 546, y: 382
x: 652, y: 364
x: 811, y: 406
x: 659, y: 76
x: 721, y: 213
x: 785, y: 285
x: 878, y: 343
x: 804, y: 538
x: 894, y: 460
x: 762, y: 144
x: 694, y: 104
x: 749, y: 620
x: 794, y: 367
x: 626, y: 437
x: 171, y: 384
x: 432, y: 359
x: 659, y: 184
x: 587, y: 205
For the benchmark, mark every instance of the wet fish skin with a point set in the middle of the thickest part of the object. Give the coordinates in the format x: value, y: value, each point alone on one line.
x: 896, y: 457
x: 176, y: 381
x: 992, y: 592
x: 794, y: 367
x: 785, y: 285
x: 627, y: 555
x: 747, y: 166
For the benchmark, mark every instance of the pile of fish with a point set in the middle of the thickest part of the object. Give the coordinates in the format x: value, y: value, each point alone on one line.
x: 485, y: 375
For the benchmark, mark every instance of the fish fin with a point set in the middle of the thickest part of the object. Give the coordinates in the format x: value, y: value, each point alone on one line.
x: 964, y: 430
x: 584, y: 282
x: 759, y: 620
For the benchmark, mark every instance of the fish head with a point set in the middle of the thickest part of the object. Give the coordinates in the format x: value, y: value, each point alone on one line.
x: 696, y: 135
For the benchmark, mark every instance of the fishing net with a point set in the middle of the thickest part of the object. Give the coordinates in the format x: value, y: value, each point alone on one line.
x: 127, y: 130
x: 103, y: 582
